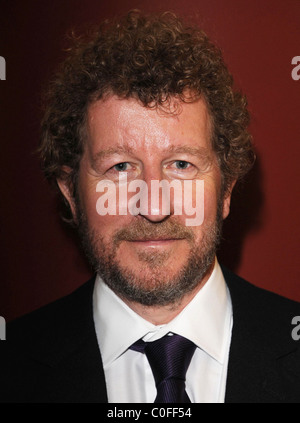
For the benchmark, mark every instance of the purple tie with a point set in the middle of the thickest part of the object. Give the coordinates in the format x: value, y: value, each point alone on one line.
x: 169, y: 358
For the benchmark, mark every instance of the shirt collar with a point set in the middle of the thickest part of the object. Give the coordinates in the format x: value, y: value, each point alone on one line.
x: 205, y: 320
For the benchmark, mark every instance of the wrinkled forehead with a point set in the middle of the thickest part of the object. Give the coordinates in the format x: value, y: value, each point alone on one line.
x: 126, y: 123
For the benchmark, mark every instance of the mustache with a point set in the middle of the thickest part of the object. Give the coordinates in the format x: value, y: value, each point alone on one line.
x: 144, y: 230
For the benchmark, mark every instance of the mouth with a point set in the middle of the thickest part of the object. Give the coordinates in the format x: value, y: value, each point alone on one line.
x: 154, y: 242
x: 155, y: 239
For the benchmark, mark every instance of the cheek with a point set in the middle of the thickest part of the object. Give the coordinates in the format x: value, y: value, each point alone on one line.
x: 88, y: 200
x: 92, y: 202
x: 205, y: 199
x: 210, y: 205
x: 212, y: 192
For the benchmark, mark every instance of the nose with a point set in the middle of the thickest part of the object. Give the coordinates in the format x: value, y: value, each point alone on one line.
x: 157, y: 197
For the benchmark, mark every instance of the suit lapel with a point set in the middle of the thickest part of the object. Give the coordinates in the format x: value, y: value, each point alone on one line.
x: 258, y: 353
x: 82, y: 379
x: 253, y: 374
x: 69, y: 350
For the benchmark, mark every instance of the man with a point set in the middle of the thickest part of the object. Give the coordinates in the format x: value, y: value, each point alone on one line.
x: 143, y: 104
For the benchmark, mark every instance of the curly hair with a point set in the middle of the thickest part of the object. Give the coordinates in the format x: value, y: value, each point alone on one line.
x: 154, y: 59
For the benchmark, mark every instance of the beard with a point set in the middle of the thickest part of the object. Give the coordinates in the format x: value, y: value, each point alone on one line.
x: 151, y: 285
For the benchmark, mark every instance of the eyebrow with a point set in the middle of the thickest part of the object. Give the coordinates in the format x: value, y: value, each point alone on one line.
x: 194, y: 151
x: 111, y: 151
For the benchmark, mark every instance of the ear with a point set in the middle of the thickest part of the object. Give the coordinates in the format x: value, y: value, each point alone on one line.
x: 227, y: 200
x: 66, y: 187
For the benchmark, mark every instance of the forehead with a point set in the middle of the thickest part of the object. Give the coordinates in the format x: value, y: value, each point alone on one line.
x: 115, y: 122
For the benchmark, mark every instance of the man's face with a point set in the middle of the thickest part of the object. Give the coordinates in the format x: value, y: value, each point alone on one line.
x: 152, y: 257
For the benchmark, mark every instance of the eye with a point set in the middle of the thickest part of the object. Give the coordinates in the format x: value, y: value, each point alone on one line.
x: 121, y: 167
x: 122, y: 170
x: 182, y: 164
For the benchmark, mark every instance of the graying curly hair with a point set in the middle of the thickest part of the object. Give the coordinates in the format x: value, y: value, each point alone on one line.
x: 152, y: 58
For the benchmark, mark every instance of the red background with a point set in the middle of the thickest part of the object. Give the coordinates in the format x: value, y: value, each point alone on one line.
x: 39, y: 259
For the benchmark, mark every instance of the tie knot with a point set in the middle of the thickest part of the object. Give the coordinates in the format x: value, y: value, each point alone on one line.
x: 169, y: 358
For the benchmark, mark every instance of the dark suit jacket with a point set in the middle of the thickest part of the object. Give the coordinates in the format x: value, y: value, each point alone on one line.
x: 52, y: 354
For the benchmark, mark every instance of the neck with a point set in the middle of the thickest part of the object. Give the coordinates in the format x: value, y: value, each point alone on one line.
x: 160, y: 315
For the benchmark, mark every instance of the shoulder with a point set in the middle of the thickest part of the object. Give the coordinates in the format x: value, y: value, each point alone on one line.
x: 51, y: 330
x: 52, y: 354
x: 266, y: 315
x: 40, y: 345
x: 263, y: 349
x: 54, y: 317
x: 244, y: 293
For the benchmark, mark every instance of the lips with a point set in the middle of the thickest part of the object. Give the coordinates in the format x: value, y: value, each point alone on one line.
x: 146, y: 233
x: 155, y: 239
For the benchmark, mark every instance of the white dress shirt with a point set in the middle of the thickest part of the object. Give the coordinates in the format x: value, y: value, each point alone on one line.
x: 206, y: 321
